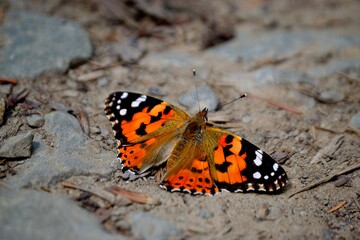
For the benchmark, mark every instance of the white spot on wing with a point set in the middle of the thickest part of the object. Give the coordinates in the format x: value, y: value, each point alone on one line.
x: 118, y: 107
x: 257, y: 175
x: 123, y: 112
x: 258, y: 159
x: 118, y: 101
x: 124, y: 95
x: 275, y: 167
x: 135, y: 104
x: 266, y: 177
x: 139, y: 100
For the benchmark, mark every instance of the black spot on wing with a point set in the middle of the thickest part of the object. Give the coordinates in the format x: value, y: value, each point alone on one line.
x: 223, y: 167
x: 141, y: 131
x: 229, y: 139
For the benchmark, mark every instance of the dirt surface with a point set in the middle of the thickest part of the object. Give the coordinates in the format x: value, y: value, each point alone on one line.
x: 293, y: 134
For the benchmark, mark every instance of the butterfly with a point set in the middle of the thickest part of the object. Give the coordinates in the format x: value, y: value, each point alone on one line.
x: 199, y: 158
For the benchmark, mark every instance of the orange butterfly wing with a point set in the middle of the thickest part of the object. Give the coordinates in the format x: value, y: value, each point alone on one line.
x: 240, y: 166
x: 145, y: 129
x: 222, y: 161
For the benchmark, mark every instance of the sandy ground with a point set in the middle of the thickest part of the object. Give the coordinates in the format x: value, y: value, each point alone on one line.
x: 291, y: 138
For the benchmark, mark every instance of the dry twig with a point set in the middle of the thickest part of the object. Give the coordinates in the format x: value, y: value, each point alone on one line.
x: 276, y: 104
x: 8, y: 80
x: 329, y: 149
x: 137, y: 197
x: 340, y: 205
x: 93, y: 192
x: 327, y: 179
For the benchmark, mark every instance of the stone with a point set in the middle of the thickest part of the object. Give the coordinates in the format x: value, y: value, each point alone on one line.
x: 18, y: 146
x: 334, y: 66
x: 2, y: 110
x: 176, y: 59
x: 355, y: 121
x: 35, y: 120
x: 250, y: 46
x: 6, y: 89
x: 33, y: 215
x: 37, y: 43
x: 127, y: 53
x: 146, y: 226
x: 62, y: 151
x: 207, y: 98
x: 331, y: 96
x: 267, y: 76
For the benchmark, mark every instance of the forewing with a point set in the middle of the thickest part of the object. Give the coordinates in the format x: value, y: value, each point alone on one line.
x: 145, y: 129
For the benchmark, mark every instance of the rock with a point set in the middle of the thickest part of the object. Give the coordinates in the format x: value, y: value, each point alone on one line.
x: 102, y: 82
x: 342, y: 180
x: 63, y: 151
x: 331, y: 96
x: 267, y: 76
x: 250, y: 46
x: 146, y: 226
x: 177, y: 59
x: 61, y: 107
x: 18, y: 146
x: 126, y: 52
x: 355, y: 121
x: 6, y: 89
x: 2, y: 110
x: 33, y: 215
x: 207, y: 98
x: 246, y: 119
x: 35, y: 120
x: 334, y: 66
x: 30, y: 48
x: 262, y: 212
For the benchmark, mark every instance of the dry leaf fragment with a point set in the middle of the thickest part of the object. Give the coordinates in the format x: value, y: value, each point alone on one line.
x: 138, y: 197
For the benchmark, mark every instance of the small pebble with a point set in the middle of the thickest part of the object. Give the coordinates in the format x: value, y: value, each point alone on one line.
x: 156, y: 91
x: 61, y: 107
x: 342, y: 181
x: 262, y: 212
x: 207, y: 98
x: 303, y: 213
x: 6, y: 88
x: 35, y: 120
x: 18, y: 146
x: 70, y: 93
x: 95, y: 130
x: 102, y: 82
x: 104, y: 131
x: 2, y: 110
x: 331, y: 96
x: 355, y: 121
x: 246, y: 119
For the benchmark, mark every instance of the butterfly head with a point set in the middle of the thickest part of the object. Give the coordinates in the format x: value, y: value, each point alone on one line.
x: 204, y: 113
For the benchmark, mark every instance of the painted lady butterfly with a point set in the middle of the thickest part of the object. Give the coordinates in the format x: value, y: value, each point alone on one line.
x: 200, y: 158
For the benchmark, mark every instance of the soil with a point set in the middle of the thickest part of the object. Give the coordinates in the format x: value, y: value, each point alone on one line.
x: 291, y: 138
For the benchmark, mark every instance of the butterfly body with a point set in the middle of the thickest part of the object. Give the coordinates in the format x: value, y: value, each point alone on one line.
x: 199, y: 158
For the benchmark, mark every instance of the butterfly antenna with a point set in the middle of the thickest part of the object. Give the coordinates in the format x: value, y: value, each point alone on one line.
x: 196, y: 88
x: 221, y: 106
